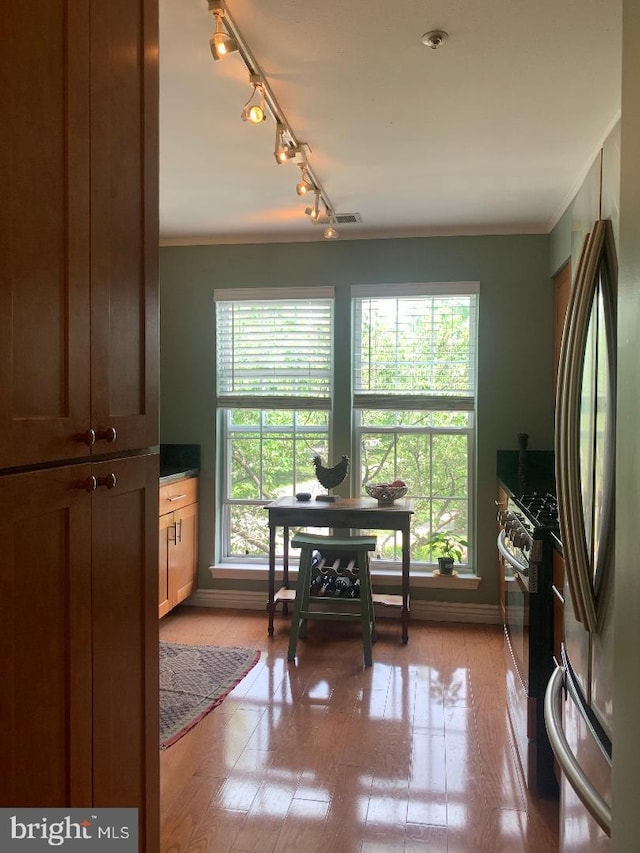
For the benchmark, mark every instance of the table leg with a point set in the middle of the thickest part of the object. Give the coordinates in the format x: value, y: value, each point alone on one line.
x: 272, y: 575
x: 405, y: 584
x: 285, y: 567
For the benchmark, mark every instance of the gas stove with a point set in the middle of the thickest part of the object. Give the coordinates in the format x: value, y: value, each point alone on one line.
x: 541, y: 510
x: 528, y: 524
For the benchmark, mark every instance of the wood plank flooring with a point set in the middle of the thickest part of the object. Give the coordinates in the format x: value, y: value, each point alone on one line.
x: 413, y: 754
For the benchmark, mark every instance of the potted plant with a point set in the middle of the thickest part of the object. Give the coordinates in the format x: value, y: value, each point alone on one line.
x: 448, y: 548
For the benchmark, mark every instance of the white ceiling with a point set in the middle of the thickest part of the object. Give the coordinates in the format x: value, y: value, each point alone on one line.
x: 491, y: 133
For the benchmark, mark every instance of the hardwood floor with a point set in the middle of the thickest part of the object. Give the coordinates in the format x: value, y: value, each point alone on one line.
x: 413, y: 754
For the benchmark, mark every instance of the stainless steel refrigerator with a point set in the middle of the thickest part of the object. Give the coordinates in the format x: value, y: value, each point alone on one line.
x: 578, y: 701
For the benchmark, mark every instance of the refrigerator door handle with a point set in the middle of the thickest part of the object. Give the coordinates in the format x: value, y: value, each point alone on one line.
x: 590, y: 798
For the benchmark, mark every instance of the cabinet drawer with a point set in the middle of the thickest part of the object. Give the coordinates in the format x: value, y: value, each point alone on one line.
x: 178, y: 494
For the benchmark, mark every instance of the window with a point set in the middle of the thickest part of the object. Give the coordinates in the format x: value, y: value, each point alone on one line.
x: 414, y: 359
x: 274, y: 391
x: 411, y: 363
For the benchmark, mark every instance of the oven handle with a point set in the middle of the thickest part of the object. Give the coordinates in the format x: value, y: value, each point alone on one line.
x: 588, y: 795
x: 519, y: 567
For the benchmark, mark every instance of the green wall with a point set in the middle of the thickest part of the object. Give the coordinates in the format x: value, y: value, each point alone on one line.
x: 515, y: 344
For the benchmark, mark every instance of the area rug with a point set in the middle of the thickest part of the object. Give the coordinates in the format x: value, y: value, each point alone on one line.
x: 194, y: 680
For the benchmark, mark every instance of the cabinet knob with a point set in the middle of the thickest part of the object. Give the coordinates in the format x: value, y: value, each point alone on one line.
x: 109, y: 481
x: 109, y: 434
x: 90, y: 484
x: 88, y: 437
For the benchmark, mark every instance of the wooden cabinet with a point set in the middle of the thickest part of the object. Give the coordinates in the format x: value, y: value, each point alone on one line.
x: 45, y: 654
x: 124, y: 222
x: 78, y: 231
x: 79, y: 407
x: 79, y: 657
x: 178, y: 542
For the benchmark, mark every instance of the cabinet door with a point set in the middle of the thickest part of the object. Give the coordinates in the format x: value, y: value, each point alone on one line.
x: 125, y: 640
x: 167, y: 531
x: 45, y: 653
x: 124, y: 224
x: 44, y: 232
x: 183, y: 546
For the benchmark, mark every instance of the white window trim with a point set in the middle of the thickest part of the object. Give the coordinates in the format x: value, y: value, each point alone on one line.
x: 419, y: 578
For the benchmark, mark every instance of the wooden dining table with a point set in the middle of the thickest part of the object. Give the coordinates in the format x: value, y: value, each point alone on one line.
x: 362, y: 513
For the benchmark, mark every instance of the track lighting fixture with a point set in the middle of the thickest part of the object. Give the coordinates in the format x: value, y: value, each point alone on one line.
x: 330, y: 232
x: 221, y: 44
x: 314, y: 212
x: 283, y: 150
x: 227, y: 38
x: 304, y: 185
x: 255, y: 112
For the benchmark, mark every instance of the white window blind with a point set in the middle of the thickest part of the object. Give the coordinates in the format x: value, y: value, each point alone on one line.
x: 274, y: 351
x: 416, y: 349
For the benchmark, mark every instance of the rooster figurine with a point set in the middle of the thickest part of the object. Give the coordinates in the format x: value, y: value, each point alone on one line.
x: 330, y: 477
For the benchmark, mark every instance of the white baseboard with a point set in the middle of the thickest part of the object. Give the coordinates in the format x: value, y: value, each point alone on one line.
x: 436, y: 611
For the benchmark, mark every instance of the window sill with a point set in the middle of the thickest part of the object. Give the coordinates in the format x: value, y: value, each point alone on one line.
x: 420, y: 578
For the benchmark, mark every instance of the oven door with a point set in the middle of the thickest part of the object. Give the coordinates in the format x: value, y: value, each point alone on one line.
x: 516, y: 607
x: 521, y: 707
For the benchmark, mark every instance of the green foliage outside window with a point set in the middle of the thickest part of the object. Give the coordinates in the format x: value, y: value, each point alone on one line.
x: 433, y: 461
x: 269, y: 455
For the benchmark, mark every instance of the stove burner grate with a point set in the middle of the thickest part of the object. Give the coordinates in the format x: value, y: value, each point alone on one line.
x: 541, y: 509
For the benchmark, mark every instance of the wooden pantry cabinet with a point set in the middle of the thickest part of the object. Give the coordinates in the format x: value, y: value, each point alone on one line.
x: 178, y: 542
x: 79, y: 407
x: 79, y: 657
x: 78, y: 230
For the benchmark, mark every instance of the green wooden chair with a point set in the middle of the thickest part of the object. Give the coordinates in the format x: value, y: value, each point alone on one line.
x: 350, y: 609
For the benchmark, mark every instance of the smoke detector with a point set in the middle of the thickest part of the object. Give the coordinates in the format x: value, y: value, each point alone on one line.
x: 434, y: 38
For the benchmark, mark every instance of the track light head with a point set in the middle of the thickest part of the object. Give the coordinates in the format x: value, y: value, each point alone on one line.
x: 285, y: 154
x: 283, y: 150
x: 330, y: 232
x: 255, y: 113
x: 314, y: 212
x: 304, y: 185
x: 221, y: 44
x: 223, y: 47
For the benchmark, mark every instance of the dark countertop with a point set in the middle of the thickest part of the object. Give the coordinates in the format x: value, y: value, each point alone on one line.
x: 537, y: 475
x: 169, y: 474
